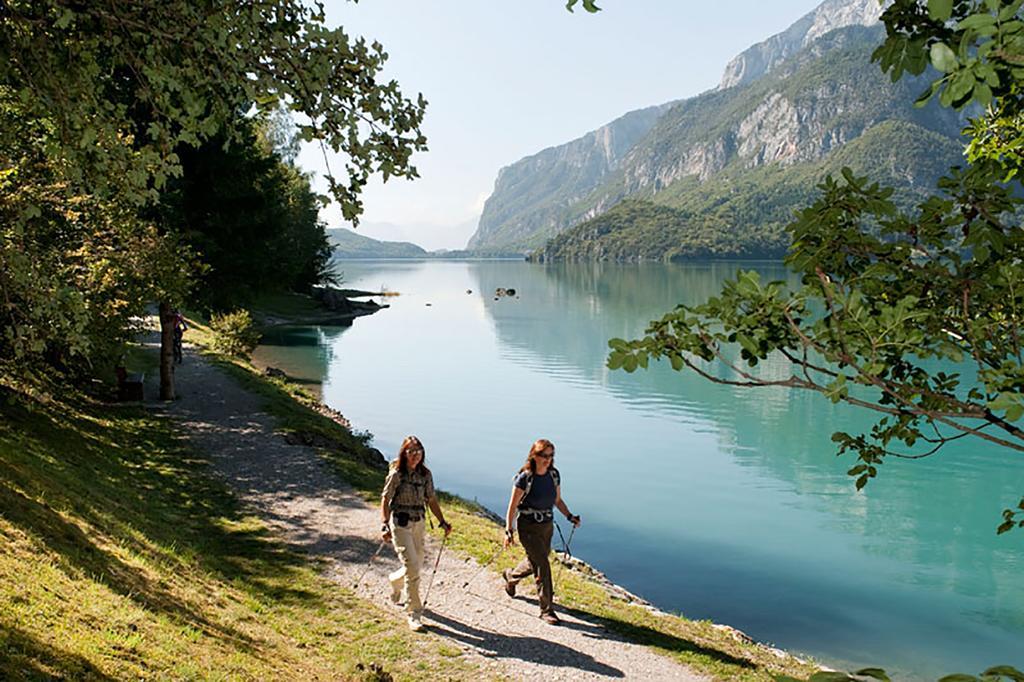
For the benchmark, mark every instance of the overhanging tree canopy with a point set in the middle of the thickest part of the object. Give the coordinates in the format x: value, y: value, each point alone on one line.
x: 125, y: 83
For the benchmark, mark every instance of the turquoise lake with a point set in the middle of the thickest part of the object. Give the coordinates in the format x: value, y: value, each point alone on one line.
x: 720, y: 503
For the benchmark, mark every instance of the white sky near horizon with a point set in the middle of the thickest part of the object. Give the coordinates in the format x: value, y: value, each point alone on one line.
x: 506, y: 79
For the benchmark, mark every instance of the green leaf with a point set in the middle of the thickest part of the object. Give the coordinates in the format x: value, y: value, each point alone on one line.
x: 923, y: 98
x: 982, y: 94
x: 943, y: 58
x: 615, y: 360
x: 1005, y: 671
x: 961, y: 84
x: 618, y: 344
x: 959, y: 677
x: 976, y: 21
x: 65, y: 19
x: 629, y: 363
x: 1010, y: 10
x: 748, y: 344
x: 876, y: 673
x: 940, y: 10
x: 588, y: 5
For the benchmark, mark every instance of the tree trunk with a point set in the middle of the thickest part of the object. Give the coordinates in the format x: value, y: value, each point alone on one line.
x: 166, y: 351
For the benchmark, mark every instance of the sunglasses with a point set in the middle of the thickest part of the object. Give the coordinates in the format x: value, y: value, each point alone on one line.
x: 546, y: 456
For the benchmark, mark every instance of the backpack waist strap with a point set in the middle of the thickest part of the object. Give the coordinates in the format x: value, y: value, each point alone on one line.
x: 537, y: 515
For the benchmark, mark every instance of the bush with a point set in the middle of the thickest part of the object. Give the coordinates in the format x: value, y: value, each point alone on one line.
x: 234, y: 333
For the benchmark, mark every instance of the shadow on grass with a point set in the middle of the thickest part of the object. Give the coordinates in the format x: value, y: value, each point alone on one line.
x: 642, y: 634
x: 83, y: 480
x: 23, y: 657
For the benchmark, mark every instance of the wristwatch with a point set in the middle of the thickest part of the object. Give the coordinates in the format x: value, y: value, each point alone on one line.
x: 386, y: 528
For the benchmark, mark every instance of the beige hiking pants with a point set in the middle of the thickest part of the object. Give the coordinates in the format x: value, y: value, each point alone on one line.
x: 408, y: 543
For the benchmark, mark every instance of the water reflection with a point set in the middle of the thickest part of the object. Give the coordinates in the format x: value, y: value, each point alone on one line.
x: 303, y: 353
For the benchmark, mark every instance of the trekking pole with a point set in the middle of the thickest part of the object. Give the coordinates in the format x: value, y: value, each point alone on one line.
x: 369, y: 564
x: 566, y: 551
x: 562, y: 538
x: 482, y: 568
x: 437, y: 561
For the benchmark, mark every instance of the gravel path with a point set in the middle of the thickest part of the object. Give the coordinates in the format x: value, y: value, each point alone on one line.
x: 298, y: 494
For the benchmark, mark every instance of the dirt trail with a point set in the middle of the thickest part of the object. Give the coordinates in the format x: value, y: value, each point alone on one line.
x: 297, y: 493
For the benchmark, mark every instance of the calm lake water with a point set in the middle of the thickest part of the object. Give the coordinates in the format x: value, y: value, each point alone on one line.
x: 720, y: 503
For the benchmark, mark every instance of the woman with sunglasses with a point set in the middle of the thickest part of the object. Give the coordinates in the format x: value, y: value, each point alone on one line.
x: 408, y: 490
x: 535, y: 491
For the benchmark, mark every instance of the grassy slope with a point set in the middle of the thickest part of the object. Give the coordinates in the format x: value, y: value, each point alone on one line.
x: 123, y: 558
x: 120, y: 557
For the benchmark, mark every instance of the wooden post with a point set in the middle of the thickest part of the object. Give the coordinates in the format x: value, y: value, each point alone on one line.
x: 166, y: 351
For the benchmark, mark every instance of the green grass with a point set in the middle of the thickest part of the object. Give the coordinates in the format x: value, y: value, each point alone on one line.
x: 697, y: 644
x: 287, y: 305
x: 123, y: 558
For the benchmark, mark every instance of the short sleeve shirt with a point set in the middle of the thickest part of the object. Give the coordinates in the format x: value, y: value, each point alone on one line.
x: 542, y: 493
x: 408, y: 492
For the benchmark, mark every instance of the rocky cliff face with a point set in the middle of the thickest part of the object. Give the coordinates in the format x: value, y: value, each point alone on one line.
x: 761, y: 58
x: 530, y: 195
x: 794, y: 99
x: 812, y: 104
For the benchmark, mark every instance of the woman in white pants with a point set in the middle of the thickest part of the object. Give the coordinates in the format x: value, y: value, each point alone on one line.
x: 408, y: 490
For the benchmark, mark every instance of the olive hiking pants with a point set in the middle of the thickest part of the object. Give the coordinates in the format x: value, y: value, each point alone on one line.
x: 536, y: 539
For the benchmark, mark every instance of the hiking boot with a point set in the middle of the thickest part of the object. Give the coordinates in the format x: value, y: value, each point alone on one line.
x: 415, y: 624
x: 550, y: 619
x: 510, y: 586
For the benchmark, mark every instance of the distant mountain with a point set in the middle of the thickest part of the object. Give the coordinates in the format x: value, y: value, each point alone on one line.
x: 788, y: 105
x: 432, y: 236
x: 743, y: 211
x: 348, y: 244
x: 531, y: 196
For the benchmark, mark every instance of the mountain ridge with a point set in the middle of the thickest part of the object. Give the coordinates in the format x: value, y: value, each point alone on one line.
x: 798, y: 111
x: 347, y: 244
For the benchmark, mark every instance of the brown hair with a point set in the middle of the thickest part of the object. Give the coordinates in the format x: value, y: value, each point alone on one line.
x: 402, y: 463
x: 538, y: 447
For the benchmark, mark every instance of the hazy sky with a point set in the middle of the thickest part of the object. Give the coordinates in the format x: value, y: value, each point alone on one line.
x: 507, y: 78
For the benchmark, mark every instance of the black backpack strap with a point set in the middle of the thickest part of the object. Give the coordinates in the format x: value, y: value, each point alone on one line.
x: 529, y: 484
